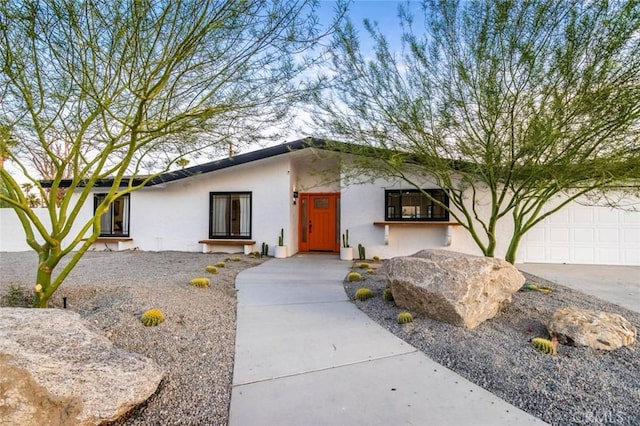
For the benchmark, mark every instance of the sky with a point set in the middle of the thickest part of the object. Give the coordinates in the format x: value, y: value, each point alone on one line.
x: 383, y: 12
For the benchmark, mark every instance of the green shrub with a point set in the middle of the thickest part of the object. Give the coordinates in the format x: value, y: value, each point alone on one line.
x: 405, y: 317
x: 363, y: 294
x: 387, y: 295
x: 211, y: 269
x: 544, y: 345
x: 354, y: 276
x: 17, y: 297
x: 152, y: 317
x: 200, y: 282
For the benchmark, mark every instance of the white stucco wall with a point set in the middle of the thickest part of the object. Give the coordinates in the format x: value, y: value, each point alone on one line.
x: 364, y: 203
x: 175, y: 216
x: 13, y: 237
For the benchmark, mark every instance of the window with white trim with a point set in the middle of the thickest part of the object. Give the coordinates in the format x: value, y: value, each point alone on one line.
x: 415, y: 205
x: 230, y: 215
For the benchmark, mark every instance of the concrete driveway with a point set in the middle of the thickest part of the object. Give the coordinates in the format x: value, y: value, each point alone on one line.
x: 616, y: 284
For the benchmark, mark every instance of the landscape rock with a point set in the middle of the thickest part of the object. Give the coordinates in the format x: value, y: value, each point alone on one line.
x: 595, y: 329
x: 56, y: 371
x: 456, y: 288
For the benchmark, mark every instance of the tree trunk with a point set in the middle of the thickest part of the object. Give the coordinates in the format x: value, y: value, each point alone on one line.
x: 43, y: 288
x: 510, y: 256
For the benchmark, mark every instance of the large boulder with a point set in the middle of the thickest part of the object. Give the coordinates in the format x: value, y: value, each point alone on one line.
x: 56, y: 371
x: 452, y: 287
x: 595, y: 329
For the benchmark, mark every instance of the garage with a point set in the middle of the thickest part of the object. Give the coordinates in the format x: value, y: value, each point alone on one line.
x: 585, y: 235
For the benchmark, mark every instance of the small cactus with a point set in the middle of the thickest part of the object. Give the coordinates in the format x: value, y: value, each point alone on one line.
x: 405, y: 317
x: 369, y: 271
x: 376, y: 259
x: 529, y: 287
x: 363, y: 294
x: 545, y: 289
x: 544, y: 345
x: 364, y: 265
x: 200, y: 282
x: 152, y: 317
x: 221, y: 264
x: 354, y: 276
x: 211, y: 269
x: 361, y: 252
x: 345, y: 239
x: 387, y: 295
x: 236, y: 259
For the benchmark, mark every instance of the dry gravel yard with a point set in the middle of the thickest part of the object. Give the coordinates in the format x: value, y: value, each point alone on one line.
x: 578, y: 386
x: 195, y: 343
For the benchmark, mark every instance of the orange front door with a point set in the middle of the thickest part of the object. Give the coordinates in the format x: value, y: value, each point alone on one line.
x: 318, y: 222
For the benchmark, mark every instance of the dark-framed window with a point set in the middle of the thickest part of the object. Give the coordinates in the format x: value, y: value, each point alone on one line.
x: 230, y: 215
x: 115, y: 221
x: 414, y: 205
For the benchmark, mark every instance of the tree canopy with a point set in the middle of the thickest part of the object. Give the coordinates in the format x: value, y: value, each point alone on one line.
x: 507, y: 104
x: 93, y: 90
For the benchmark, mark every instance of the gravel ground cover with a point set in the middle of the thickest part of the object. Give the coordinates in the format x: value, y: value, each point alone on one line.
x: 578, y: 386
x: 195, y: 343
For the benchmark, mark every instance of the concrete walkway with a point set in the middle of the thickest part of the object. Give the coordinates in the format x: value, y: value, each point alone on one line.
x: 615, y: 284
x: 305, y: 355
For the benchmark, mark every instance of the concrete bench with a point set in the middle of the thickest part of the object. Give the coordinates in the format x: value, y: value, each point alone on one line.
x: 114, y: 243
x: 222, y: 244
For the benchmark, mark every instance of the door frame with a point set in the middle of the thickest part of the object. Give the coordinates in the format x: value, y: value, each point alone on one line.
x: 306, y: 196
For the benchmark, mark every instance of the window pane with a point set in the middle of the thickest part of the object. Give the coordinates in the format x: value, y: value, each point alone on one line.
x: 411, y: 204
x: 219, y: 216
x: 230, y: 215
x: 115, y: 221
x: 321, y: 203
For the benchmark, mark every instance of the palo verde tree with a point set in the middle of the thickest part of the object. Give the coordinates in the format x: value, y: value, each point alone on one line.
x: 117, y: 89
x: 516, y: 108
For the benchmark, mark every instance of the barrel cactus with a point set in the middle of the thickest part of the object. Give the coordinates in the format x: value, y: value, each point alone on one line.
x: 152, y: 317
x: 544, y: 345
x: 387, y: 295
x: 363, y: 294
x: 221, y: 264
x: 405, y: 317
x: 211, y: 269
x: 200, y: 282
x: 354, y: 276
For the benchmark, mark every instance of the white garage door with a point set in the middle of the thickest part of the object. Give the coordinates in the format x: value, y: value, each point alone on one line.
x: 585, y: 235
